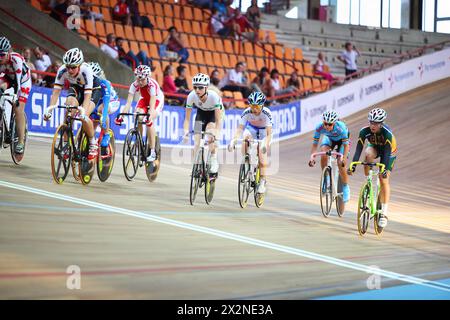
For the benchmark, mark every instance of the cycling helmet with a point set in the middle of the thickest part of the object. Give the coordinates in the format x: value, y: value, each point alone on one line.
x: 96, y: 69
x: 257, y: 98
x: 330, y: 116
x: 377, y: 115
x: 73, y: 57
x: 200, y: 79
x: 5, y: 45
x: 142, y: 71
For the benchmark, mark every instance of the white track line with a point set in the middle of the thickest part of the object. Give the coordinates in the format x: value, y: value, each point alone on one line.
x: 232, y: 236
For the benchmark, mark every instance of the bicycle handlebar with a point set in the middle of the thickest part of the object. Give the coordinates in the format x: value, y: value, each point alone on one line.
x: 328, y: 153
x: 370, y: 164
x: 200, y: 132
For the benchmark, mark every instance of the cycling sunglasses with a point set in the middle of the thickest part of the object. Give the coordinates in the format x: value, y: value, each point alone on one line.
x: 326, y: 124
x: 73, y: 66
x: 199, y: 87
x: 3, y: 54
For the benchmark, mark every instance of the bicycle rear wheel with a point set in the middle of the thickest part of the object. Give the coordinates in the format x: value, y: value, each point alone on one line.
x: 378, y: 229
x: 196, y: 177
x: 131, y: 154
x: 244, y: 184
x: 326, y: 192
x: 61, y: 154
x: 17, y: 158
x: 259, y: 197
x: 86, y: 167
x: 340, y: 205
x: 363, y: 209
x: 105, y: 159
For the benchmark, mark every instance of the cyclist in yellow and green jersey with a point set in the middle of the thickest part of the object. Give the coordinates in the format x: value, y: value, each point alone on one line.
x: 382, y: 144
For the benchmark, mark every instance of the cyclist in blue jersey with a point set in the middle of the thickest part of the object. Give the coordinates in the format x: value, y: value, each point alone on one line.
x: 335, y: 135
x: 108, y: 103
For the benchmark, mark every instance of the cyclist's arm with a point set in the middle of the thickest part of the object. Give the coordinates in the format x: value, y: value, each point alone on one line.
x: 316, y: 138
x: 128, y: 104
x: 106, y: 99
x: 268, y: 136
x: 218, y: 116
x: 152, y: 103
x: 17, y: 66
x: 238, y: 133
x: 359, y: 146
x: 187, y: 119
x: 55, y: 95
x: 386, y: 153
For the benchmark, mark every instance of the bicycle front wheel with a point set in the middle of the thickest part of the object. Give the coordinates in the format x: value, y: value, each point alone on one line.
x: 85, y: 166
x: 244, y: 184
x: 364, y: 209
x: 131, y: 154
x: 196, y: 177
x: 210, y: 183
x: 105, y: 159
x: 326, y: 192
x: 61, y: 154
x: 2, y: 129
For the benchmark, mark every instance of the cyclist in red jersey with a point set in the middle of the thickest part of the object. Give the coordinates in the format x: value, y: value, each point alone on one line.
x: 150, y: 102
x: 14, y: 67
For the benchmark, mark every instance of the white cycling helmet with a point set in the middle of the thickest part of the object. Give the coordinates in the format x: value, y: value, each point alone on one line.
x: 5, y: 45
x: 330, y: 116
x: 200, y: 79
x: 256, y: 98
x: 377, y: 115
x: 96, y: 69
x: 73, y: 57
x: 142, y: 71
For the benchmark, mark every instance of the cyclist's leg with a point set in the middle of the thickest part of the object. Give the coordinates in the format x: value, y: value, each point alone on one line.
x: 247, y: 136
x: 342, y: 170
x: 151, y: 131
x: 385, y: 187
x: 325, y: 146
x: 370, y: 155
x: 262, y: 156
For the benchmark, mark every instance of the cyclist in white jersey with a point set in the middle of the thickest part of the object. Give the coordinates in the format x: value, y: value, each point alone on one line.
x: 209, y: 114
x: 13, y: 66
x: 257, y: 123
x: 150, y: 102
x: 84, y: 90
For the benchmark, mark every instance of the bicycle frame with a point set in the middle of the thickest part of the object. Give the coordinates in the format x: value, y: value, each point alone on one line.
x: 332, y: 157
x: 137, y: 122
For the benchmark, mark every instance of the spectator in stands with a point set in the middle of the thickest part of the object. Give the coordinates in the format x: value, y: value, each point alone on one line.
x: 319, y: 68
x: 221, y: 7
x: 294, y: 82
x: 174, y: 42
x: 260, y: 82
x: 169, y: 86
x: 218, y: 26
x: 214, y: 82
x: 348, y: 57
x: 274, y: 86
x: 136, y: 18
x: 59, y: 10
x: 121, y: 12
x: 109, y: 47
x: 243, y: 27
x: 48, y: 80
x: 181, y: 81
x: 26, y: 54
x: 42, y: 61
x: 205, y: 4
x: 254, y: 15
x: 85, y: 10
x: 129, y: 58
x: 233, y: 81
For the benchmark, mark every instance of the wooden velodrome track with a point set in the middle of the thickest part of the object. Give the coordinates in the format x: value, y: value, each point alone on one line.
x: 285, y: 250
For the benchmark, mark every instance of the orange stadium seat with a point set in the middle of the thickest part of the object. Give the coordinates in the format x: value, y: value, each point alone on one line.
x: 225, y: 60
x: 107, y: 14
x: 208, y: 59
x: 134, y: 46
x: 260, y: 63
x: 299, y: 66
x: 210, y: 44
x: 187, y: 27
x: 216, y: 58
x: 298, y: 54
x: 93, y: 40
x: 203, y: 69
x: 177, y: 11
x: 196, y: 28
x: 307, y: 68
x: 90, y: 27
x: 153, y: 50
x: 201, y: 42
x: 316, y: 85
x: 259, y: 52
x: 248, y: 49
x: 187, y: 13
x: 288, y: 66
x: 278, y: 51
x: 204, y: 27
x: 288, y: 54
x: 228, y: 46
x: 105, y: 3
x: 199, y: 56
x: 159, y: 22
x: 126, y: 46
x: 157, y: 36
x: 141, y: 7
x: 149, y: 9
x: 307, y: 86
x: 198, y: 14
x: 178, y: 24
x: 129, y: 32
x: 167, y: 9
x: 158, y: 9
x: 139, y: 35
x: 112, y: 3
x: 271, y: 36
x: 148, y: 35
x: 119, y: 30
x: 233, y: 60
x: 218, y: 44
x: 237, y: 95
x: 279, y: 65
x: 168, y: 22
x: 95, y: 2
x: 250, y: 63
x: 100, y: 27
x: 192, y: 40
x: 144, y: 47
x: 109, y: 28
